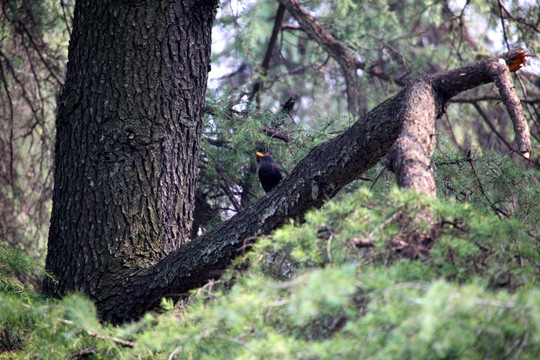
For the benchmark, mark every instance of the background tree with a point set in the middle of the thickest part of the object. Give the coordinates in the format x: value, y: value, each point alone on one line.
x: 33, y: 52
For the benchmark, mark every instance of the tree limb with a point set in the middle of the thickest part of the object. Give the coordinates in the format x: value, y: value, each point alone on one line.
x: 346, y: 60
x: 501, y: 76
x: 410, y: 158
x: 269, y: 50
x: 318, y: 177
x: 427, y: 98
x: 472, y: 100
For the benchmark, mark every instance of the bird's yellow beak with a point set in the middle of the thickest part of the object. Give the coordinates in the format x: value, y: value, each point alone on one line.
x: 260, y: 154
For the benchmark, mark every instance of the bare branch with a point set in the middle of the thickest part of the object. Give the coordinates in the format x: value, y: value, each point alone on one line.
x: 269, y: 50
x: 472, y: 100
x: 501, y: 77
x: 487, y: 120
x: 281, y: 135
x: 347, y: 61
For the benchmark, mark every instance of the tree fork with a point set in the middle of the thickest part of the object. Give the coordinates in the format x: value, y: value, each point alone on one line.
x: 428, y: 97
x: 318, y: 177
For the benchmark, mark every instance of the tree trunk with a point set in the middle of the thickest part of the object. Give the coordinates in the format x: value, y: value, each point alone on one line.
x: 127, y: 143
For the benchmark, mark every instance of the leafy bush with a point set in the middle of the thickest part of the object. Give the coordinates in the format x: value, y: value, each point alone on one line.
x: 335, y: 286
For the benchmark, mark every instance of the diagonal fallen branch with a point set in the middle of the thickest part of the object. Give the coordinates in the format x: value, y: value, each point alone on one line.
x: 318, y: 177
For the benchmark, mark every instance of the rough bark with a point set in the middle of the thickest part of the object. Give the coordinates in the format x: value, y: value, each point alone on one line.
x: 127, y: 145
x: 410, y: 158
x: 501, y: 76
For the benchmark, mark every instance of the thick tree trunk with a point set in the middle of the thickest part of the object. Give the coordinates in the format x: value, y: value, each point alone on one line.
x: 127, y: 148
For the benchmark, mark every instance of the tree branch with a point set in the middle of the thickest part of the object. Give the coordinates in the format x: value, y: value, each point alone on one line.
x: 490, y: 124
x: 427, y: 98
x: 346, y: 60
x: 472, y: 100
x: 410, y: 158
x: 501, y: 77
x: 269, y: 50
x: 318, y: 177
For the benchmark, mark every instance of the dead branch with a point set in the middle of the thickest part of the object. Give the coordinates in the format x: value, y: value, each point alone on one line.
x: 501, y: 76
x: 491, y: 126
x: 257, y: 88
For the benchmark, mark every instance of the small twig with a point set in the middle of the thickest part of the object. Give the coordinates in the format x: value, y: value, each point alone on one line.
x: 368, y: 240
x: 239, y: 342
x: 83, y: 352
x: 209, y: 285
x: 491, y: 126
x: 364, y: 179
x: 227, y: 189
x: 377, y: 176
x: 171, y: 355
x: 471, y: 100
x: 503, y: 25
x: 482, y: 191
x: 281, y: 135
x: 328, y: 244
x: 127, y: 343
x: 245, y: 243
x: 269, y: 51
x: 451, y: 131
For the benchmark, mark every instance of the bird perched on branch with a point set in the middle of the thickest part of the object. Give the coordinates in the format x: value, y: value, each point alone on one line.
x: 289, y: 104
x: 269, y: 172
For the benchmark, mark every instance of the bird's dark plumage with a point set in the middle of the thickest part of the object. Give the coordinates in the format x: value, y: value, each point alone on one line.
x: 269, y: 172
x: 289, y: 104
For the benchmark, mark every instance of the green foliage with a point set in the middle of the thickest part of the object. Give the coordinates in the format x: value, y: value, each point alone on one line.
x: 492, y: 181
x: 340, y: 285
x: 15, y: 270
x: 53, y: 330
x: 317, y: 291
x: 228, y: 166
x: 17, y: 295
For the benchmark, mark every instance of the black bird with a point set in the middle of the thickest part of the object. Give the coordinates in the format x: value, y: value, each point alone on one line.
x: 269, y: 172
x: 289, y: 104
